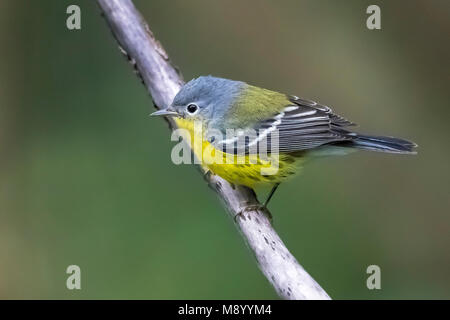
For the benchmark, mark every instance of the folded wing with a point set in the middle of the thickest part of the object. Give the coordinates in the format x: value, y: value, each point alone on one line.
x: 302, y: 125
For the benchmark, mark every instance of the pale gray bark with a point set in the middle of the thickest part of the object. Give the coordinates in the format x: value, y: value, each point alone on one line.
x: 163, y: 81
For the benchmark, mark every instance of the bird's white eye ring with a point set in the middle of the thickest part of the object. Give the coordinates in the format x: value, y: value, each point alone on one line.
x: 192, y: 108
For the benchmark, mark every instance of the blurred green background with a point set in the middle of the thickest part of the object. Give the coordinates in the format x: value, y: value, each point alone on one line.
x: 86, y: 176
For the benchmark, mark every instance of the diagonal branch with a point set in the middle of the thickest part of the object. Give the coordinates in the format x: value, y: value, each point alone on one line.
x: 163, y: 81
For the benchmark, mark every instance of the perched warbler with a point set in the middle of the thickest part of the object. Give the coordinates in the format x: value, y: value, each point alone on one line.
x: 299, y: 128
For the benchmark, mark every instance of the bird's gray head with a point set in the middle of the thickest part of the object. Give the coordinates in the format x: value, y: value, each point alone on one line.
x: 204, y: 98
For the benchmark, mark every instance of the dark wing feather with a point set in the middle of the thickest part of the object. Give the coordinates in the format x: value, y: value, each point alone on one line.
x: 303, y: 125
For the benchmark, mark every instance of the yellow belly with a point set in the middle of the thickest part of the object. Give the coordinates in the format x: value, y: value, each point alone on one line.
x: 247, y: 170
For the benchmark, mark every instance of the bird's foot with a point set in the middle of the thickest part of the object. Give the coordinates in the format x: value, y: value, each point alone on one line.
x: 254, y: 207
x: 207, y: 175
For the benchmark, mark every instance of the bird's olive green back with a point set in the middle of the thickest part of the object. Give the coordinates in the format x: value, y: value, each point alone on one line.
x: 254, y: 105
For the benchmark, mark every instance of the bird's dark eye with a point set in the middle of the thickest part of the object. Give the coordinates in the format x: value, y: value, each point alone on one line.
x: 192, y: 108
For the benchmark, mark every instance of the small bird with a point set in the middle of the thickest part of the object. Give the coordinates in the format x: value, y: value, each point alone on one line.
x: 302, y: 128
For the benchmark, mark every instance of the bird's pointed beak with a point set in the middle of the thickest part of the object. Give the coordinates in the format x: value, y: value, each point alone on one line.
x: 165, y: 112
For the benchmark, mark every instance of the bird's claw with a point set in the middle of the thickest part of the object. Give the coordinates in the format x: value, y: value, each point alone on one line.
x: 207, y: 175
x: 252, y: 208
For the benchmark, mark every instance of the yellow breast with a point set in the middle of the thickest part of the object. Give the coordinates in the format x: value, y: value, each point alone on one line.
x: 247, y: 170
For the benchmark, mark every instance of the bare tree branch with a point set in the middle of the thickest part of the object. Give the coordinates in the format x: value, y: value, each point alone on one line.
x: 163, y: 81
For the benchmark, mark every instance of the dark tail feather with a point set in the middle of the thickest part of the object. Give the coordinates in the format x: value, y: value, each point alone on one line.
x: 382, y: 144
